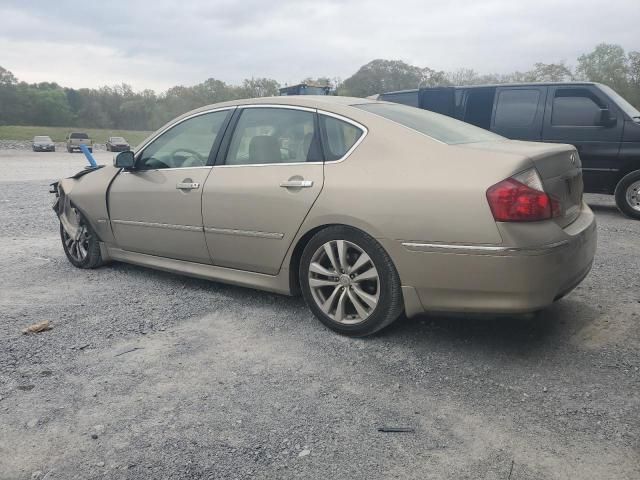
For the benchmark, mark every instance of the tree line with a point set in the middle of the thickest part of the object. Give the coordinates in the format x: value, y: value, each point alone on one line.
x: 120, y: 107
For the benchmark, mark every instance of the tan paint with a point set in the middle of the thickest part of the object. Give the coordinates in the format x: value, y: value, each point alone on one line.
x: 397, y: 185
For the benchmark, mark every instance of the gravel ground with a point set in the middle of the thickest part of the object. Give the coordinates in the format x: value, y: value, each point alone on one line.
x: 152, y: 375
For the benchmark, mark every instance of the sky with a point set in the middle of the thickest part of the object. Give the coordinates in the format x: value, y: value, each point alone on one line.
x: 157, y: 44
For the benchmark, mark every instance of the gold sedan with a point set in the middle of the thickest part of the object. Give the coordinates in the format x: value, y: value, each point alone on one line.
x: 367, y: 208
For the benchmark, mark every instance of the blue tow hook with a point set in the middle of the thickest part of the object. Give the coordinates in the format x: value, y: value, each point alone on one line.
x: 88, y: 154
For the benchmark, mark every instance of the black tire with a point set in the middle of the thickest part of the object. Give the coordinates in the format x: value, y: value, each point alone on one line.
x: 91, y: 244
x: 389, y: 304
x: 629, y: 186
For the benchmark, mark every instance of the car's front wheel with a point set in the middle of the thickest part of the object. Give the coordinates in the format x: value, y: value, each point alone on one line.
x: 81, y: 246
x: 628, y: 195
x: 349, y: 281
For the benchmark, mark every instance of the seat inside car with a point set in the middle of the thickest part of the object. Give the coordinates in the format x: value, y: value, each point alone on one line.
x: 264, y: 149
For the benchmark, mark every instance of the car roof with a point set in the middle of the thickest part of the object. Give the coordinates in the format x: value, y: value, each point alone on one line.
x: 309, y: 101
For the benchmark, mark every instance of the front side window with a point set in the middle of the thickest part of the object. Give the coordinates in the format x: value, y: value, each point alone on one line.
x: 340, y: 136
x: 439, y: 127
x: 188, y: 144
x: 576, y: 107
x: 273, y: 135
x: 516, y: 108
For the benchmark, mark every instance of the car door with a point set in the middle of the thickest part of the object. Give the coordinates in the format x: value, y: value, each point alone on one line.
x: 267, y: 176
x: 573, y: 115
x: 156, y: 208
x: 518, y: 112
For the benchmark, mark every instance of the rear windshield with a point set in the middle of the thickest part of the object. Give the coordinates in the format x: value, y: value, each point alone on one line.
x: 41, y: 139
x: 79, y: 135
x: 439, y: 127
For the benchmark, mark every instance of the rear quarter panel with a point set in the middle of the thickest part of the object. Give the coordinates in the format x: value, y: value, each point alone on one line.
x: 401, y: 185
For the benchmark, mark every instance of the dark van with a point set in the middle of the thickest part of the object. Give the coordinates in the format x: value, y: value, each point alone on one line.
x: 602, y: 125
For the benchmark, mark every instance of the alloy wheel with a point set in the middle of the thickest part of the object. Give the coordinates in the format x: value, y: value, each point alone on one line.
x: 78, y: 245
x: 344, y: 282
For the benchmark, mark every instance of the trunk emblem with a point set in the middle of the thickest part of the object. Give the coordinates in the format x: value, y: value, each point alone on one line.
x: 573, y: 158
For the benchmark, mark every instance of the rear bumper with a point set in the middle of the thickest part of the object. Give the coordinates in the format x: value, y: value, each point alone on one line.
x: 496, y: 278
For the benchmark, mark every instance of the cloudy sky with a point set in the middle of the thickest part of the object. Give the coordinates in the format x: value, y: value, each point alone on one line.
x: 160, y: 43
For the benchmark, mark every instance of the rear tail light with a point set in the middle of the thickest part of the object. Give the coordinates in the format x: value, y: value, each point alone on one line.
x: 522, y: 198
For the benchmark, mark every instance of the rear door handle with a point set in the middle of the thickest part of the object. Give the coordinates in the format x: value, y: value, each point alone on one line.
x: 297, y: 184
x: 187, y: 185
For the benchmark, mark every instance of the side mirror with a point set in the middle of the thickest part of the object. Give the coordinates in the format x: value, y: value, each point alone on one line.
x: 607, y: 119
x: 124, y: 160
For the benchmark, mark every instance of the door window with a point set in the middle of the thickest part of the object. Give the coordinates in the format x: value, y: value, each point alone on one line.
x: 273, y: 135
x: 188, y: 144
x: 516, y: 108
x: 340, y: 136
x: 577, y: 107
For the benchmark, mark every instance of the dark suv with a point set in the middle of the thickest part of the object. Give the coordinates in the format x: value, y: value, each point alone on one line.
x: 602, y: 125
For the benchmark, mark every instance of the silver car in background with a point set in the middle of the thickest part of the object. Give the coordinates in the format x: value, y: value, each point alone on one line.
x: 367, y: 208
x: 43, y: 143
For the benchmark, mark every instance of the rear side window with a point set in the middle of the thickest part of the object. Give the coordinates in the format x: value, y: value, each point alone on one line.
x: 576, y: 107
x: 79, y: 135
x: 516, y: 108
x: 445, y: 129
x: 339, y: 137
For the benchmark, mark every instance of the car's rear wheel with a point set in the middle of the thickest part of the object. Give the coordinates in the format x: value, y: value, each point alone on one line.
x: 349, y: 281
x: 81, y: 247
x: 628, y: 195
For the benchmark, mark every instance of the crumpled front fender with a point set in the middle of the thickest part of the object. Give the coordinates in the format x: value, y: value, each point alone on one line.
x: 86, y: 193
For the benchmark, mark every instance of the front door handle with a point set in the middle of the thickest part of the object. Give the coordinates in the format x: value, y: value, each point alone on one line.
x: 297, y: 184
x: 187, y: 185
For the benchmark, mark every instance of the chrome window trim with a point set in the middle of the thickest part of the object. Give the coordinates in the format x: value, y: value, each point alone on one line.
x: 275, y: 105
x: 283, y: 164
x: 140, y: 149
x: 137, y: 172
x: 363, y: 129
x: 168, y: 226
x: 244, y: 233
x: 484, y: 249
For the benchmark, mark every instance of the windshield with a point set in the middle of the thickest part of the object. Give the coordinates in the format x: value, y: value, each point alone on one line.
x: 434, y: 125
x: 625, y: 106
x: 41, y: 139
x: 117, y: 139
x: 79, y: 135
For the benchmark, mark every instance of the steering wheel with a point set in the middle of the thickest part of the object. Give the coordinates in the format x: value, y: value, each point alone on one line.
x: 193, y: 153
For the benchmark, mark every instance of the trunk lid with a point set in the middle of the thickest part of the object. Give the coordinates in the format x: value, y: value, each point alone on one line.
x: 559, y: 168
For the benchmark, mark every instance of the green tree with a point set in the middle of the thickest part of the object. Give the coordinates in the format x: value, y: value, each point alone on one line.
x: 606, y: 64
x: 549, y: 72
x: 258, y: 87
x: 380, y: 76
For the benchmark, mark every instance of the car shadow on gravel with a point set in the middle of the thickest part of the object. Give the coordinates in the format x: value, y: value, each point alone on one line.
x: 605, y: 208
x: 522, y: 334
